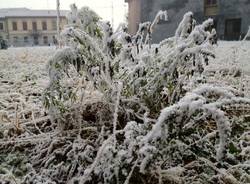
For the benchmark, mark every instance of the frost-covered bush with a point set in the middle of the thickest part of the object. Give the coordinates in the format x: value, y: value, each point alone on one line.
x: 151, y: 77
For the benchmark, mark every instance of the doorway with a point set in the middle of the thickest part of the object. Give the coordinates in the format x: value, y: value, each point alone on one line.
x: 232, y: 29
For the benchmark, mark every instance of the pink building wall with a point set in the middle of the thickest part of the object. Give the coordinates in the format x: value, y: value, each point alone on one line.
x: 134, y: 15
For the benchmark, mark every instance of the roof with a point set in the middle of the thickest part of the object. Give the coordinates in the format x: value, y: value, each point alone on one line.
x: 25, y: 12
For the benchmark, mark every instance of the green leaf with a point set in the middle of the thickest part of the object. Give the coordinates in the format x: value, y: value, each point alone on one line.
x: 233, y: 149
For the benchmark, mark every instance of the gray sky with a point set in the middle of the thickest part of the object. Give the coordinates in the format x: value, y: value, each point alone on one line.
x: 102, y: 7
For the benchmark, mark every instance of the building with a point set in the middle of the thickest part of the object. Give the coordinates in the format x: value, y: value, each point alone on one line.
x: 25, y: 27
x: 231, y: 17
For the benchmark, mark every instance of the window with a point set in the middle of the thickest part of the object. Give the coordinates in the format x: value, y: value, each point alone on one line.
x: 211, y: 7
x: 45, y: 40
x: 14, y: 26
x: 35, y: 41
x: 25, y: 27
x: 15, y: 39
x: 34, y: 26
x: 44, y: 25
x: 54, y: 40
x: 54, y: 24
x: 1, y: 26
x: 210, y: 2
x: 232, y: 29
x: 26, y: 39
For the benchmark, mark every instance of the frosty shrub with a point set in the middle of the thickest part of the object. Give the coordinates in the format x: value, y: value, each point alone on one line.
x: 151, y: 77
x: 125, y: 110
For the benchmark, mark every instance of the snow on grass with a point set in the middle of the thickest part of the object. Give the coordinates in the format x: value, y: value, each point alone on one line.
x: 234, y: 52
x: 23, y: 77
x: 231, y: 65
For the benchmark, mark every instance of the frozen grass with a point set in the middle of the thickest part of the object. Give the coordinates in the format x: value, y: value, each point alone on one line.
x: 233, y: 52
x: 232, y: 58
x: 22, y: 80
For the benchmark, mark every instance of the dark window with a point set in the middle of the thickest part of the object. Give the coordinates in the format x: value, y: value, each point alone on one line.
x: 26, y: 39
x: 36, y: 42
x: 1, y: 26
x: 54, y: 40
x: 210, y: 2
x: 25, y: 26
x: 34, y: 26
x: 232, y: 29
x: 45, y: 40
x: 14, y: 26
x: 44, y: 25
x: 214, y: 1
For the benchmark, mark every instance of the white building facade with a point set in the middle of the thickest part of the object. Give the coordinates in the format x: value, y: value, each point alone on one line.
x: 25, y: 27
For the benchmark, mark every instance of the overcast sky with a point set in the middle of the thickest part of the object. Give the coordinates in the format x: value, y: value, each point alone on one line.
x: 102, y: 7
